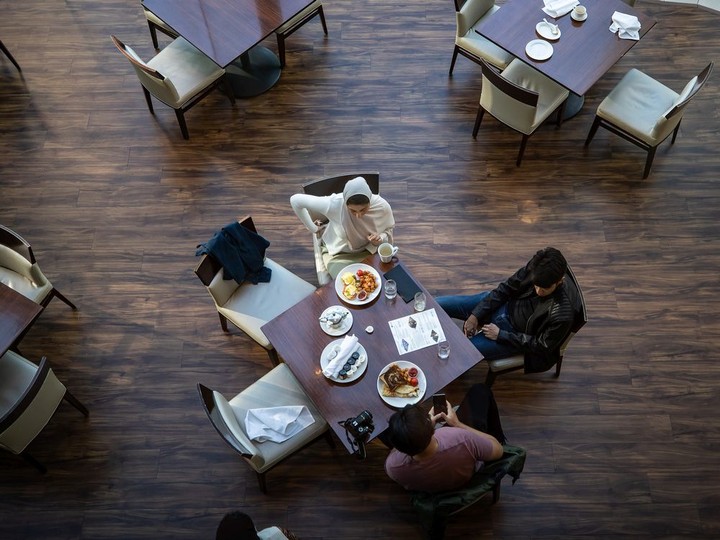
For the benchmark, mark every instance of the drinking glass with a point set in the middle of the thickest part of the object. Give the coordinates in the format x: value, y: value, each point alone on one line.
x: 443, y: 349
x: 419, y: 301
x: 390, y: 288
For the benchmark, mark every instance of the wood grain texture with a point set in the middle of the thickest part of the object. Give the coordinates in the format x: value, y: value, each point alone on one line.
x: 114, y: 202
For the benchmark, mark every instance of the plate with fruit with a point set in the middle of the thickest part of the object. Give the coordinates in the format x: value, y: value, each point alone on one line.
x: 358, y: 284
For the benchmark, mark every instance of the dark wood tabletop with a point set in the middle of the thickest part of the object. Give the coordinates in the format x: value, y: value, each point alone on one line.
x: 585, y: 50
x: 299, y: 340
x: 17, y: 314
x: 225, y: 29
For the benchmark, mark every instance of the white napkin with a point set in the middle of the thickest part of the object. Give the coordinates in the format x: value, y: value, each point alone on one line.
x: 277, y: 424
x: 558, y: 8
x: 626, y: 26
x: 347, y: 347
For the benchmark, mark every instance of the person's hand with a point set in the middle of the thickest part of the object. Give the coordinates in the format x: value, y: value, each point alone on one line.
x: 375, y: 239
x: 471, y: 326
x: 490, y: 331
x: 450, y: 418
x: 320, y: 227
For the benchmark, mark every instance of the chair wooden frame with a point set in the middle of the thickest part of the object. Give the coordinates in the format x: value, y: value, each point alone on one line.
x: 282, y: 36
x: 4, y: 49
x: 154, y: 28
x: 651, y: 148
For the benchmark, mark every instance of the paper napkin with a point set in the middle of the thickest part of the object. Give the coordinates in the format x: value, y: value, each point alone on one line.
x: 277, y: 424
x: 558, y: 8
x: 626, y: 26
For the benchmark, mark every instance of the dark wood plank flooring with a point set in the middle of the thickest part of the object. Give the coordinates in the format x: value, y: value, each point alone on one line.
x: 624, y: 444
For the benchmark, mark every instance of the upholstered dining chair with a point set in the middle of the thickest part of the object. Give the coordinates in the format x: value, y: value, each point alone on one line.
x: 322, y: 188
x: 156, y: 24
x: 289, y: 28
x: 249, y: 306
x: 180, y: 76
x: 20, y: 271
x: 277, y: 388
x: 644, y: 111
x: 5, y: 50
x: 520, y: 97
x: 29, y: 396
x: 469, y: 43
x: 517, y: 362
x: 434, y: 509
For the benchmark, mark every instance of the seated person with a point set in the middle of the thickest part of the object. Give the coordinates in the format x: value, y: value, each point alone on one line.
x: 424, y: 458
x: 532, y: 312
x: 239, y: 526
x: 358, y: 222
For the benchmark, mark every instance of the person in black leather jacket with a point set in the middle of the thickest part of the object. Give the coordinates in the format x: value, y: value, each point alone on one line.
x: 531, y: 312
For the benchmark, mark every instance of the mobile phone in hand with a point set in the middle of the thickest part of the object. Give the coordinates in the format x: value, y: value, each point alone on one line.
x: 439, y: 403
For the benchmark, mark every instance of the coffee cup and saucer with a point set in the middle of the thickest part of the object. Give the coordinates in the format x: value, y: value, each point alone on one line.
x: 579, y: 13
x: 387, y: 252
x: 336, y: 320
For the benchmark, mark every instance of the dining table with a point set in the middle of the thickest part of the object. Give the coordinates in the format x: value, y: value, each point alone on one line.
x: 17, y: 314
x: 582, y: 53
x: 300, y: 341
x: 229, y: 33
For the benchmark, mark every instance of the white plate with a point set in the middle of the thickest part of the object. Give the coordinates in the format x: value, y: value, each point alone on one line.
x: 339, y: 285
x: 335, y: 345
x: 401, y: 402
x: 345, y: 325
x: 539, y: 49
x: 576, y: 18
x: 545, y: 30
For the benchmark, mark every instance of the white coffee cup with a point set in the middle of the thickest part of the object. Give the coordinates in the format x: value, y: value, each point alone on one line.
x: 386, y: 252
x: 580, y: 11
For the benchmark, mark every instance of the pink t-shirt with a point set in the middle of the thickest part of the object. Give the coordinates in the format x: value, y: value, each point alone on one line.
x: 459, y: 455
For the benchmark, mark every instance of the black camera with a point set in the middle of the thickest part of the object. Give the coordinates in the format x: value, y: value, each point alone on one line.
x: 361, y: 426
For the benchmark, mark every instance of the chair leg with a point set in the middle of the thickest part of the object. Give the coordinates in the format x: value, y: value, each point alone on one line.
x: 490, y: 377
x: 454, y: 58
x: 261, y: 482
x: 281, y: 49
x: 558, y: 366
x: 223, y: 322
x: 561, y: 110
x: 228, y: 89
x: 34, y: 462
x: 648, y: 161
x: 75, y: 402
x: 496, y: 492
x: 329, y: 438
x: 675, y: 132
x: 592, y: 131
x: 478, y: 119
x: 10, y: 56
x: 148, y: 99
x: 522, y: 150
x: 437, y: 529
x: 183, y: 126
x: 62, y: 297
x: 274, y: 358
x: 322, y: 20
x: 153, y: 35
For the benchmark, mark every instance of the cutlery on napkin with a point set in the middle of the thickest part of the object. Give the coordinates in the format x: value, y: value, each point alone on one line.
x: 558, y: 8
x: 277, y: 424
x: 626, y: 26
x: 347, y: 347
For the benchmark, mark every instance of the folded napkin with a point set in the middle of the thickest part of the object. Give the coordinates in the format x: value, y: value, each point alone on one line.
x: 347, y: 347
x: 626, y: 26
x: 558, y: 8
x: 277, y: 424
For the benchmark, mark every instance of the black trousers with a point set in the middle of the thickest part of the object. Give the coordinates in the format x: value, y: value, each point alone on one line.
x: 479, y: 410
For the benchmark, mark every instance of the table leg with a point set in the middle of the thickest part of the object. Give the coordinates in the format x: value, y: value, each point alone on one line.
x: 255, y: 72
x: 573, y: 105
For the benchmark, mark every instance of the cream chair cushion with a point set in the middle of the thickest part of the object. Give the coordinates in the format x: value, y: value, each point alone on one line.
x: 277, y: 388
x: 250, y: 306
x: 23, y: 277
x: 471, y: 14
x: 292, y: 22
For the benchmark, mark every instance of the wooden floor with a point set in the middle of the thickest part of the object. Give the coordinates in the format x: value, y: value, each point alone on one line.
x: 624, y: 444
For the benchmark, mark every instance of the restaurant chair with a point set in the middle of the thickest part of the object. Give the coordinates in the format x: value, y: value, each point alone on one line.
x: 434, y: 509
x: 469, y: 43
x: 322, y: 188
x: 517, y: 362
x: 29, y: 396
x: 520, y: 97
x: 644, y: 111
x: 277, y: 388
x: 19, y: 270
x: 287, y: 29
x: 156, y: 24
x: 249, y: 306
x: 180, y: 76
x: 4, y: 49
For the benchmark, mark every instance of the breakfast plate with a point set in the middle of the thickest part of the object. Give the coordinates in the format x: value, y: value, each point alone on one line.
x: 353, y: 269
x: 544, y: 30
x: 539, y: 49
x: 400, y: 402
x: 344, y: 325
x: 360, y: 364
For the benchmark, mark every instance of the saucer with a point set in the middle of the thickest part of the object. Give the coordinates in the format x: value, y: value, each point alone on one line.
x: 538, y: 49
x: 345, y: 325
x: 544, y: 30
x: 577, y: 18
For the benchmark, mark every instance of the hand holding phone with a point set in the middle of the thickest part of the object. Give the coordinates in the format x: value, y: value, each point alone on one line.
x: 439, y: 403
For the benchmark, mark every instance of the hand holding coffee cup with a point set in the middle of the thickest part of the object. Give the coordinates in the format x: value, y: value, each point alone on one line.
x: 387, y: 252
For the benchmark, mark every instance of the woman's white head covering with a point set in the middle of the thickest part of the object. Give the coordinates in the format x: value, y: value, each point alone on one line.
x: 376, y: 220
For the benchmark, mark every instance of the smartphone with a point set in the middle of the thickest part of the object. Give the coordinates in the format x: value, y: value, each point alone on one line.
x: 439, y: 403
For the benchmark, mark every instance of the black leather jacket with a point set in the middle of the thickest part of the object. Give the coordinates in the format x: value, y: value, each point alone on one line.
x: 547, y: 327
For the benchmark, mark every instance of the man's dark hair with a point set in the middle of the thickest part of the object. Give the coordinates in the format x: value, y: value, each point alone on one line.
x: 236, y: 526
x: 410, y: 430
x: 547, y: 267
x: 357, y: 199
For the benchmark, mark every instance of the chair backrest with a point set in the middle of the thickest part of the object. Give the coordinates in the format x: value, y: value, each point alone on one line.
x: 335, y: 184
x: 511, y: 104
x: 209, y: 265
x: 222, y: 418
x: 12, y: 240
x: 691, y: 88
x: 154, y: 81
x: 470, y: 13
x: 580, y: 310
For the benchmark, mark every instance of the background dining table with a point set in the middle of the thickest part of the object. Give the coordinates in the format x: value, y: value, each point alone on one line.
x: 298, y: 338
x: 17, y: 314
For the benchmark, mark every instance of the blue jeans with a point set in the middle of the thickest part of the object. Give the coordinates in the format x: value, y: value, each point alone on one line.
x: 460, y: 307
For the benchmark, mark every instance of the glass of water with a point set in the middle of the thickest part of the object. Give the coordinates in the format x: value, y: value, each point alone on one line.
x: 443, y: 349
x: 390, y: 288
x: 420, y: 301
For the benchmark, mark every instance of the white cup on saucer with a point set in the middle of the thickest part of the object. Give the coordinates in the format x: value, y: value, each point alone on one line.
x: 579, y: 13
x: 387, y: 252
